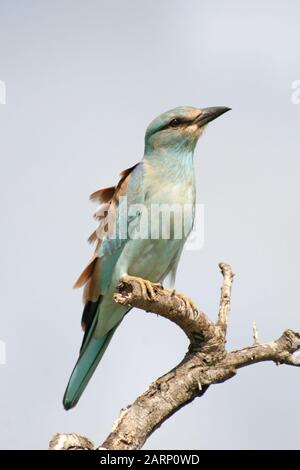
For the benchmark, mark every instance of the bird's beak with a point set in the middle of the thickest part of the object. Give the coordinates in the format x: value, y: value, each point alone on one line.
x: 209, y: 114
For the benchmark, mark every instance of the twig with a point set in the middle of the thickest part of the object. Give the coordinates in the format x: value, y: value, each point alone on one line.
x: 255, y: 333
x: 224, y: 308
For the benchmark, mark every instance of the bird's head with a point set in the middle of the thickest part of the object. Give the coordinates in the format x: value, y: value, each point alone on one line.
x: 180, y: 128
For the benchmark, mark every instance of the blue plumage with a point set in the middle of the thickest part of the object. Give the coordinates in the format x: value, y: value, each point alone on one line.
x: 131, y: 235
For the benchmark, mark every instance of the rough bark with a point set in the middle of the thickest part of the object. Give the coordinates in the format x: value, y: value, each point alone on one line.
x: 206, y: 362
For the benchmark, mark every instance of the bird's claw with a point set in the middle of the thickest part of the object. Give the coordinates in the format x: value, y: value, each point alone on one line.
x: 188, y: 303
x: 147, y: 288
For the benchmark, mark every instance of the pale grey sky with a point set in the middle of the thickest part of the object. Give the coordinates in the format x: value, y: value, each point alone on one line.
x: 83, y: 80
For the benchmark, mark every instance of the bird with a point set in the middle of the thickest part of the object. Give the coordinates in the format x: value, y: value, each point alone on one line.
x: 164, y: 176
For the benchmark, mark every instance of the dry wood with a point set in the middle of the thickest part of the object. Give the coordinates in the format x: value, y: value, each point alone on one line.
x: 206, y: 363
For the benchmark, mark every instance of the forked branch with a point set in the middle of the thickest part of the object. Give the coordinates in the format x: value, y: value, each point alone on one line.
x: 206, y: 362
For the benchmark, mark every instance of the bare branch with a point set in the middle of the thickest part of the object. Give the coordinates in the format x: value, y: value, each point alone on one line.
x: 280, y: 351
x: 224, y: 308
x: 206, y: 362
x: 167, y: 303
x: 72, y: 441
x: 255, y: 333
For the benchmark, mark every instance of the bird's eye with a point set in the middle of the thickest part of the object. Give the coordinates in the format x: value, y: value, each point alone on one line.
x: 174, y: 123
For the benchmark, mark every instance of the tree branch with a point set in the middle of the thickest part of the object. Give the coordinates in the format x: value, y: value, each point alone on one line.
x: 206, y: 362
x: 168, y: 304
x: 224, y: 308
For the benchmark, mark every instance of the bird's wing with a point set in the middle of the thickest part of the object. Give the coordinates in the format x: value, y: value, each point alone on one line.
x: 97, y: 275
x: 170, y: 276
x: 108, y: 199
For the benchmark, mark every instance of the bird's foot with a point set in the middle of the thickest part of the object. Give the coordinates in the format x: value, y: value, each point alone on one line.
x: 147, y: 287
x: 188, y: 303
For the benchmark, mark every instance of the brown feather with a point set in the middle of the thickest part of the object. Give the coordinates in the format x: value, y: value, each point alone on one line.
x: 127, y: 172
x: 103, y: 195
x: 109, y: 197
x: 93, y: 237
x: 86, y: 273
x: 92, y: 288
x: 102, y: 212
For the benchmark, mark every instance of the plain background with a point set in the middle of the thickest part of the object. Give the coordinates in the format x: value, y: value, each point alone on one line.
x: 84, y: 79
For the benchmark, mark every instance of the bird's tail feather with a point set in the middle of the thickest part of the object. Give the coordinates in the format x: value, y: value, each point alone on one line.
x: 85, y: 366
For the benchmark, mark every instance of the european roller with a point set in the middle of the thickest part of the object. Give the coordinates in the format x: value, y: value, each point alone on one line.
x: 124, y: 239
